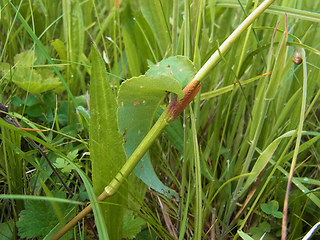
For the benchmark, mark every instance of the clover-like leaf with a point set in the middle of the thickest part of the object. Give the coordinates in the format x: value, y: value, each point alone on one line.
x: 271, y: 208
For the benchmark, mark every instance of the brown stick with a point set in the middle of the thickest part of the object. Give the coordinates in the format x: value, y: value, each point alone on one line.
x: 175, y: 108
x: 190, y: 91
x: 77, y: 218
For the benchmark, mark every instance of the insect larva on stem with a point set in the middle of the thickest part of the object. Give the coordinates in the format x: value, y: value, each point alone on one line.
x: 190, y: 91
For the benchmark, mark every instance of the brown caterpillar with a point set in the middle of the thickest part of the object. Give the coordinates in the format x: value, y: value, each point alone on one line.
x: 190, y: 91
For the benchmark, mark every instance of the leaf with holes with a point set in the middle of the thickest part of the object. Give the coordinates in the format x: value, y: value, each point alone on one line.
x: 178, y: 67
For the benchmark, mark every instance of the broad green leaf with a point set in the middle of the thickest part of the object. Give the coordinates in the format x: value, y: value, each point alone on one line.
x: 173, y: 132
x: 35, y: 81
x: 31, y: 79
x: 25, y: 59
x: 28, y: 78
x: 44, y: 52
x: 7, y: 229
x: 106, y: 143
x: 39, y: 218
x: 178, y: 67
x: 261, y: 230
x: 153, y: 13
x: 5, y: 69
x: 277, y: 214
x: 131, y: 226
x: 63, y: 164
x: 138, y: 99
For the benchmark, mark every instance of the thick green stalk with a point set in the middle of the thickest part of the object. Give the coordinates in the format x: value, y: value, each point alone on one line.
x: 175, y: 108
x: 203, y: 72
x: 127, y: 168
x: 136, y: 156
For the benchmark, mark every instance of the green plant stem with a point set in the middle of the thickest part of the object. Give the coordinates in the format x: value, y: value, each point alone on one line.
x: 175, y: 27
x: 196, y: 47
x: 127, y: 168
x: 296, y: 149
x: 77, y: 218
x: 167, y: 116
x: 198, y: 198
x: 203, y: 72
x: 136, y: 156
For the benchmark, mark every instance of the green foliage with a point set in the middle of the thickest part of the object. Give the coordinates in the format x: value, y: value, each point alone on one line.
x: 245, y: 236
x: 63, y: 164
x: 245, y: 119
x: 6, y: 230
x: 106, y: 144
x: 177, y: 67
x: 278, y: 68
x: 43, y: 107
x: 27, y: 77
x: 262, y: 229
x: 154, y: 14
x: 39, y: 217
x: 61, y: 49
x: 272, y: 208
x: 131, y: 226
x: 139, y: 99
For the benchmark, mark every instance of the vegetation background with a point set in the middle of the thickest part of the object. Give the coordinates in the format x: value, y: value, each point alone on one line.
x: 228, y: 157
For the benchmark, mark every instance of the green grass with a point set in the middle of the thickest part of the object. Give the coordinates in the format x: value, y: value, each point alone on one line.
x: 228, y: 156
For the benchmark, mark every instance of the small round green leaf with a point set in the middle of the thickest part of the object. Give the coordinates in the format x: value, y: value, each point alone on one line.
x: 178, y: 67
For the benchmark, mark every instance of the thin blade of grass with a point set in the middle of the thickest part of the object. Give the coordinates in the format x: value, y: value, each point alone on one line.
x: 198, y: 197
x: 44, y: 52
x: 101, y: 226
